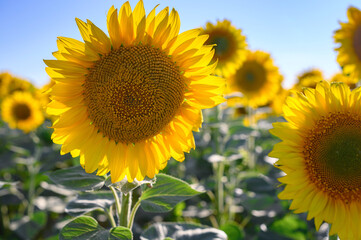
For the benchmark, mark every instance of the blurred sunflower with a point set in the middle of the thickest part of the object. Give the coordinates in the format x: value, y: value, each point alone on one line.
x: 230, y: 46
x: 308, y: 79
x: 320, y: 154
x: 349, y: 38
x: 258, y: 79
x: 10, y: 84
x: 128, y: 102
x: 4, y: 82
x: 21, y: 111
x: 339, y: 77
x: 278, y: 102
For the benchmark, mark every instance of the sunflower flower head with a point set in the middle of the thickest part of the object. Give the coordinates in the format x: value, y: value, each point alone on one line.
x: 308, y: 79
x: 22, y: 111
x: 128, y: 102
x: 340, y: 77
x: 258, y: 79
x: 320, y: 155
x: 349, y: 39
x: 230, y: 46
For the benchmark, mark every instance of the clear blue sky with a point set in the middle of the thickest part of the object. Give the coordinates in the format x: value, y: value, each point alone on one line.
x: 298, y: 34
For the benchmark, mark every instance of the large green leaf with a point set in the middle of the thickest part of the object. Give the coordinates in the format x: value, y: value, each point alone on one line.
x: 76, y: 178
x: 85, y: 227
x: 89, y: 201
x: 182, y: 231
x: 165, y: 194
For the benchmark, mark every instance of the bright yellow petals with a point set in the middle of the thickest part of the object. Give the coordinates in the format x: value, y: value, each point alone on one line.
x: 230, y: 46
x: 257, y: 79
x: 21, y: 111
x: 128, y: 102
x: 349, y: 39
x: 320, y: 154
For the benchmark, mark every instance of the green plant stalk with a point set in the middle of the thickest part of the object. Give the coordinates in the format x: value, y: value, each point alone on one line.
x: 132, y: 214
x: 33, y: 171
x: 125, y: 209
x: 251, y: 139
x: 110, y: 217
x: 117, y: 202
x: 220, y: 192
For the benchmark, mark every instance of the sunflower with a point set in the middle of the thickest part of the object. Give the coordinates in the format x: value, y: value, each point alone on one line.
x: 10, y: 84
x: 21, y: 111
x: 278, y: 102
x: 258, y: 79
x: 127, y: 103
x: 230, y: 46
x: 349, y: 38
x: 308, y: 79
x: 339, y: 77
x: 5, y: 78
x: 320, y: 154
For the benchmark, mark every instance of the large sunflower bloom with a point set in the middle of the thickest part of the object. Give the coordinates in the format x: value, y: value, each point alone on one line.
x: 128, y: 102
x: 349, y: 37
x: 230, y: 46
x: 21, y: 111
x: 320, y: 154
x: 258, y: 79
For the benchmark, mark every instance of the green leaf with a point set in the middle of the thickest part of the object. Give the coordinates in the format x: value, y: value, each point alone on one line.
x: 165, y: 194
x: 28, y: 228
x: 120, y: 233
x: 125, y: 187
x: 89, y: 201
x: 182, y: 231
x: 85, y: 227
x: 76, y: 178
x: 233, y: 231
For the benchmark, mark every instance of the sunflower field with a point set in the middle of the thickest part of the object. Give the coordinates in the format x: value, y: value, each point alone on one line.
x: 147, y: 132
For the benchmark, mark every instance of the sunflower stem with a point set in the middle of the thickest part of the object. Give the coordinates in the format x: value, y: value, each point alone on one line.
x: 132, y: 214
x: 109, y: 214
x: 125, y: 209
x: 117, y: 202
x: 33, y: 171
x: 251, y: 139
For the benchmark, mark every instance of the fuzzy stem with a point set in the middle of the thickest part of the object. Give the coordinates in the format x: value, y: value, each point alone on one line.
x: 132, y: 214
x: 117, y: 202
x: 125, y: 209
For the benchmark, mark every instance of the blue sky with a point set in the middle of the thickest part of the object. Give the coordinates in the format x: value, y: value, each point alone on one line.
x: 298, y: 34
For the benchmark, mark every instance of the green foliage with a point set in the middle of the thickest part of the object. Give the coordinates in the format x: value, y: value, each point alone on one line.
x: 290, y: 226
x: 166, y: 194
x: 75, y: 178
x: 233, y: 231
x: 83, y: 228
x: 90, y: 201
x: 182, y: 231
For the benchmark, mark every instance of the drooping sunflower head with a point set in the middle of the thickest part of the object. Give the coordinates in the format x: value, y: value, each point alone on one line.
x: 320, y: 154
x: 340, y: 77
x: 308, y: 79
x: 21, y: 111
x: 258, y: 79
x: 349, y: 39
x: 230, y: 46
x: 128, y: 102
